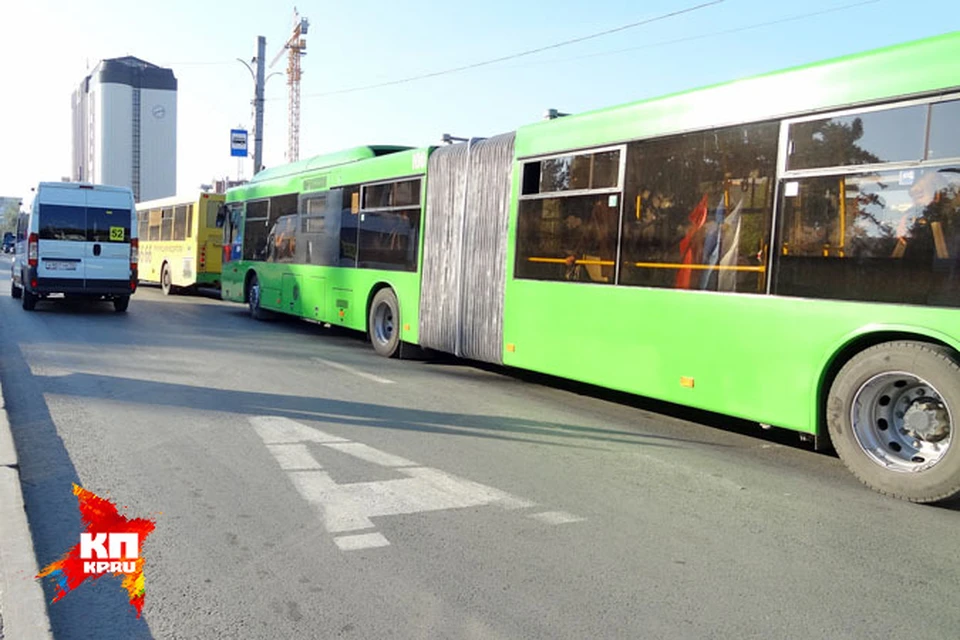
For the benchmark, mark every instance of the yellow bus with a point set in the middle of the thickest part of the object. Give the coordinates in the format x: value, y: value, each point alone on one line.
x: 180, y: 243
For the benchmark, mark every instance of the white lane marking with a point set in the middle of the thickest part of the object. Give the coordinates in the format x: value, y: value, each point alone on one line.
x: 279, y: 430
x: 369, y: 454
x: 361, y: 541
x: 350, y: 506
x: 556, y: 517
x: 356, y: 372
x: 293, y: 457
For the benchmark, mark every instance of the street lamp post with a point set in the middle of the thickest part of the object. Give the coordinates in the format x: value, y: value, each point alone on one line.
x: 259, y: 81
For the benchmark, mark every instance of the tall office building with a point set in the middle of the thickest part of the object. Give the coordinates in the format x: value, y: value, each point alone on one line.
x: 125, y: 128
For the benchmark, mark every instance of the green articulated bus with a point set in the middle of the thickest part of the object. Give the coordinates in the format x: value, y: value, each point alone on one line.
x: 784, y: 249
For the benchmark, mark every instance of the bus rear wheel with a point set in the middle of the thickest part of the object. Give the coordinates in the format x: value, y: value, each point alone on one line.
x: 29, y: 301
x: 383, y: 324
x: 166, y: 281
x: 892, y: 415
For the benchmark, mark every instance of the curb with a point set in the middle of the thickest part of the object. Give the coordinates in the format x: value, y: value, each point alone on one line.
x: 23, y: 610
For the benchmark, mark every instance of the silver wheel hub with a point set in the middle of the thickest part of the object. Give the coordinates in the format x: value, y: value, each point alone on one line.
x: 901, y: 422
x: 383, y: 323
x: 927, y: 419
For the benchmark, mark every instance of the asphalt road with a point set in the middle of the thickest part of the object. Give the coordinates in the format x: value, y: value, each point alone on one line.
x: 304, y: 487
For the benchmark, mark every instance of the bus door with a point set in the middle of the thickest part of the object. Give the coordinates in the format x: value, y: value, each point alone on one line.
x: 210, y: 237
x: 230, y: 219
x: 110, y: 227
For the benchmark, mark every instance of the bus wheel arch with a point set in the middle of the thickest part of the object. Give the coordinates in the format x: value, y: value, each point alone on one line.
x: 247, y: 282
x: 383, y: 320
x: 840, y: 358
x: 890, y: 405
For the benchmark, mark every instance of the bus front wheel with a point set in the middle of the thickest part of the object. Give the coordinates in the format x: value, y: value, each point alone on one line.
x: 253, y: 299
x: 892, y: 415
x: 384, y: 323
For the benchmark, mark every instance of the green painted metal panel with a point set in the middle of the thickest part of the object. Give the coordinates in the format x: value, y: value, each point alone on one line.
x: 923, y: 66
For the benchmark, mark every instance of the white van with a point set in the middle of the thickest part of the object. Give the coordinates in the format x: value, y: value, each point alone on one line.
x: 77, y: 240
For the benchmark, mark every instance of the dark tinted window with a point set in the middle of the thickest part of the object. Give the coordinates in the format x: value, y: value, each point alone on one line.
x: 319, y: 235
x: 62, y: 222
x: 944, y: 131
x: 890, y: 236
x: 180, y: 223
x: 143, y: 229
x: 108, y: 225
x: 389, y: 240
x: 283, y: 206
x: 22, y: 224
x: 154, y: 224
x: 600, y: 170
x: 282, y: 241
x: 256, y: 230
x: 210, y: 219
x: 891, y: 135
x: 568, y: 238
x: 405, y: 193
x: 166, y: 224
x: 698, y: 209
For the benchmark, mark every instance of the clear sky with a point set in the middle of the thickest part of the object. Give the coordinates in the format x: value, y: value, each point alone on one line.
x: 48, y: 46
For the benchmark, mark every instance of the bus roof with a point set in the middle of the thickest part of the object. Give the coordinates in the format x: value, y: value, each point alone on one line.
x: 921, y: 66
x: 326, y: 160
x: 81, y: 185
x: 186, y: 198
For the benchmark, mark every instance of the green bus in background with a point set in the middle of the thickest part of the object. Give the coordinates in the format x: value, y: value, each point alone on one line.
x: 784, y: 249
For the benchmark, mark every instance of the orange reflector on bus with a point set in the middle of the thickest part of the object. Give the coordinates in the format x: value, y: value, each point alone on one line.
x: 406, y: 327
x: 686, y: 382
x: 511, y: 347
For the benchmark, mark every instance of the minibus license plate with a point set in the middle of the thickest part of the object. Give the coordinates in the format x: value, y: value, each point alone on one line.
x: 54, y: 265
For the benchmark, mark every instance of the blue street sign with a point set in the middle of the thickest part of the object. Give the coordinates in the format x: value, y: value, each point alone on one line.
x: 238, y: 143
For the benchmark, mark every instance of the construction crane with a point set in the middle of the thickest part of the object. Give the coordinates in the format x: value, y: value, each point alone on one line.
x: 295, y: 47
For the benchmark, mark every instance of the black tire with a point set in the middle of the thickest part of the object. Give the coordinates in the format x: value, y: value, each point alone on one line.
x: 383, y: 324
x: 166, y: 281
x: 892, y: 414
x: 15, y: 291
x: 254, y: 294
x: 120, y: 304
x: 29, y: 300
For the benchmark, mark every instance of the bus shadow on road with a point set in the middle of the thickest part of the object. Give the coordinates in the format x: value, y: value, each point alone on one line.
x: 469, y: 369
x: 100, y: 608
x: 350, y: 414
